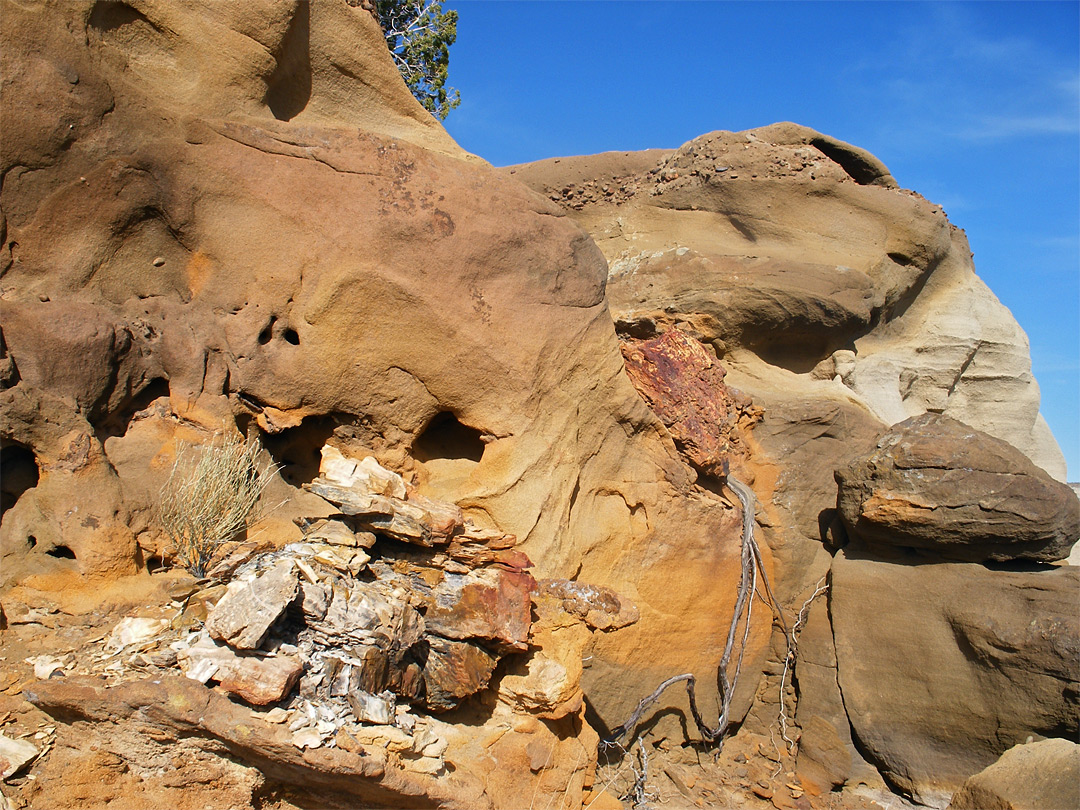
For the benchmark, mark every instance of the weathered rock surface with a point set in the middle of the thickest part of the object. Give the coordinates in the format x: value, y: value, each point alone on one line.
x: 936, y: 484
x: 547, y: 682
x: 804, y: 436
x: 784, y: 242
x: 600, y: 608
x: 945, y: 666
x: 841, y: 305
x: 492, y: 604
x: 827, y: 756
x: 156, y: 198
x: 1042, y: 775
x: 684, y: 386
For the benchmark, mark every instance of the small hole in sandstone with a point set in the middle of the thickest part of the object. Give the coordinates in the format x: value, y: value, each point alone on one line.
x: 267, y: 332
x: 900, y: 258
x: 446, y: 437
x: 31, y: 541
x: 61, y: 552
x: 291, y: 336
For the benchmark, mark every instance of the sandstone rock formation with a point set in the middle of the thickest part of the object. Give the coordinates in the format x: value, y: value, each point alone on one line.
x: 935, y: 484
x: 832, y: 299
x: 239, y: 219
x: 226, y: 218
x: 796, y: 246
x: 1042, y: 775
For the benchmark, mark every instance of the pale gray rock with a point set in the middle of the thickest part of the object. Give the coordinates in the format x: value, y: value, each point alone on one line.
x: 244, y: 615
x: 419, y: 520
x: 369, y: 708
x: 15, y: 755
x: 958, y: 350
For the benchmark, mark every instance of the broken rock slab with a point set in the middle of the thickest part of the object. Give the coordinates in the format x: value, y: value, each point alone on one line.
x: 420, y: 520
x: 547, y: 682
x: 936, y: 484
x: 135, y: 630
x: 1043, y: 775
x: 335, y: 532
x: 364, y: 475
x: 455, y: 670
x: 368, y: 708
x: 243, y: 616
x: 15, y: 755
x: 259, y: 680
x: 379, y: 501
x: 684, y: 386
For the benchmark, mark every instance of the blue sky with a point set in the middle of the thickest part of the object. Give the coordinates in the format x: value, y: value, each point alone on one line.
x: 975, y: 105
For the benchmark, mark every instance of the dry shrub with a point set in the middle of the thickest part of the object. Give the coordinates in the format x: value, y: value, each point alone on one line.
x: 209, y: 501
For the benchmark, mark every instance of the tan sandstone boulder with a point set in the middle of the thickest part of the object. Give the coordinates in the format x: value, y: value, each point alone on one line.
x: 938, y: 485
x: 944, y: 666
x: 1042, y: 775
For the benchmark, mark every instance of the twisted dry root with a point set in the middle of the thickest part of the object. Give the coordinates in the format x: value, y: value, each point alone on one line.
x: 752, y: 567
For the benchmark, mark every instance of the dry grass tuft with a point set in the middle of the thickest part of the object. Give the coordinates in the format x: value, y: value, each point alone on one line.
x: 209, y: 501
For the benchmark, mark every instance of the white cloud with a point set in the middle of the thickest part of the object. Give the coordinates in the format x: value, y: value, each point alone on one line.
x: 999, y: 127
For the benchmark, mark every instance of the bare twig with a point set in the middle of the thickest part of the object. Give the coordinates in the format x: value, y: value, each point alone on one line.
x: 792, y: 651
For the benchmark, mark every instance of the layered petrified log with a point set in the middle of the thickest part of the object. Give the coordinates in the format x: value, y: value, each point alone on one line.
x: 418, y: 624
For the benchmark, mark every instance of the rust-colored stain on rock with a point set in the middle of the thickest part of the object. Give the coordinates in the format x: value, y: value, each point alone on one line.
x: 198, y: 270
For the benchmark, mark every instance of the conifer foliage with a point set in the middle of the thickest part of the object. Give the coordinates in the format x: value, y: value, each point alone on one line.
x: 419, y: 35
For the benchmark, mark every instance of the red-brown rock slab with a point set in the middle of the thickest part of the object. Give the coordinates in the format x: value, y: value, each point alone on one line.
x: 491, y: 604
x: 259, y: 680
x: 684, y: 386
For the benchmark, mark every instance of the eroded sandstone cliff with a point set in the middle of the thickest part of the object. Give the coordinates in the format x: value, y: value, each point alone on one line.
x: 509, y: 426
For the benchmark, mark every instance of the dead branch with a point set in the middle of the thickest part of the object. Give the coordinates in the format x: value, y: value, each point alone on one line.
x: 638, y: 795
x: 792, y: 651
x: 752, y: 567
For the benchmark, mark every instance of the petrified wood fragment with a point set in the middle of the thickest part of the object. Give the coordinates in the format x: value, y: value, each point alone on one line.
x: 684, y: 386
